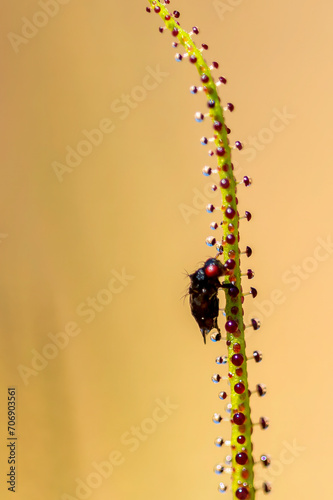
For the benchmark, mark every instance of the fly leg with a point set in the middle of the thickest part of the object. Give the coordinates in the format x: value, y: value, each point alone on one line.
x: 217, y: 335
x: 226, y: 285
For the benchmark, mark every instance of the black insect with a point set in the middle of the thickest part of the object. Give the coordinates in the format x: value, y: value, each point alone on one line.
x: 203, y: 292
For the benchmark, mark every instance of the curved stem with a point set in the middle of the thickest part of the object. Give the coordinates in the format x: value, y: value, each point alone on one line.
x: 242, y: 476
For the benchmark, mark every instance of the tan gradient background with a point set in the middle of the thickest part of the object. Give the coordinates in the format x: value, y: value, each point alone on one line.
x: 120, y: 209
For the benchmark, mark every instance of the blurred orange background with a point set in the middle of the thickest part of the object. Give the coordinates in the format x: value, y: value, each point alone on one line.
x: 102, y: 213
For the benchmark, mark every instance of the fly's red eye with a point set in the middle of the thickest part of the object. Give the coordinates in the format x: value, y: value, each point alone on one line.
x: 212, y: 271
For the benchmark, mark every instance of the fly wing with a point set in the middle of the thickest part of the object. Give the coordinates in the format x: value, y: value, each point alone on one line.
x: 205, y: 309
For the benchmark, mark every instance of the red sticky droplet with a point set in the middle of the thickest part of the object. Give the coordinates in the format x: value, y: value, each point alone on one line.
x: 245, y: 473
x: 242, y: 493
x: 239, y: 388
x: 230, y: 239
x: 230, y: 264
x: 248, y: 251
x: 230, y: 212
x: 257, y: 356
x: 233, y: 292
x: 237, y: 359
x: 250, y: 274
x: 224, y: 183
x: 246, y: 180
x: 231, y: 326
x: 267, y: 487
x: 236, y: 347
x: 255, y: 324
x: 264, y: 422
x: 238, y: 418
x: 241, y: 458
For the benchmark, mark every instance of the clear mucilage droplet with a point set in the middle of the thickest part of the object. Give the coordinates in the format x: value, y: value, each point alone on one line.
x: 228, y: 408
x: 217, y: 418
x: 221, y: 360
x: 215, y: 337
x: 222, y: 488
x: 219, y: 442
x: 210, y: 241
x: 218, y: 469
x: 198, y: 117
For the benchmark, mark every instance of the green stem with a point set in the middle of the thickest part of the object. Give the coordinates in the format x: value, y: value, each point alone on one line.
x: 242, y: 474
